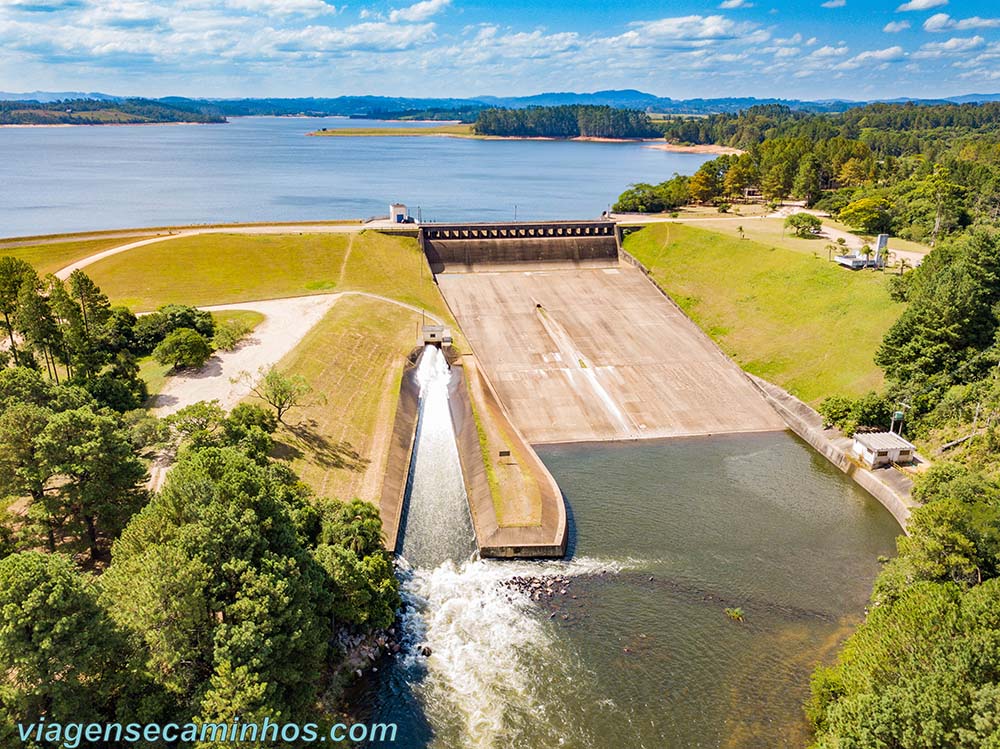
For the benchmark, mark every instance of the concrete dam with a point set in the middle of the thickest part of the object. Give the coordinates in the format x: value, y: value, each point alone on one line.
x: 579, y: 344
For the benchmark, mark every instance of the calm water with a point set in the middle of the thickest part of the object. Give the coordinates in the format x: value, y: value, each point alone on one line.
x: 266, y: 169
x: 666, y: 536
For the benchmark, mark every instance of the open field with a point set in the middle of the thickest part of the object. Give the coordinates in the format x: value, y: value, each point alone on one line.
x: 800, y: 322
x: 354, y: 356
x: 230, y: 268
x: 599, y: 354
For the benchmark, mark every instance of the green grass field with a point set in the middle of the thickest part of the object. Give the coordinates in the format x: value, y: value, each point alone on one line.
x: 230, y: 268
x: 800, y: 322
x: 354, y: 356
x: 50, y: 257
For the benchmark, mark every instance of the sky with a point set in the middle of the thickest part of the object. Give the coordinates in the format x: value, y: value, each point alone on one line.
x: 808, y: 49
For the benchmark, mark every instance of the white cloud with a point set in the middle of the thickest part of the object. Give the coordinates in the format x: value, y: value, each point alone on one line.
x: 732, y: 4
x: 894, y: 27
x: 827, y: 52
x: 419, y: 11
x: 283, y: 7
x: 873, y: 57
x: 920, y: 5
x: 835, y: 3
x: 690, y: 31
x: 955, y: 45
x: 944, y: 22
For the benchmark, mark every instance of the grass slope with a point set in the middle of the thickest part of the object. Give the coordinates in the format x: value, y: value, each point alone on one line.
x: 230, y: 268
x: 354, y: 356
x: 50, y: 257
x: 800, y: 322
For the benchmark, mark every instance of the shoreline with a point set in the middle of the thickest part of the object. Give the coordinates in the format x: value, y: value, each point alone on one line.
x: 705, y: 148
x: 105, y: 124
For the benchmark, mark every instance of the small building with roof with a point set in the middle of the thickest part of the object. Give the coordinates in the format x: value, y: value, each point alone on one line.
x: 876, y: 449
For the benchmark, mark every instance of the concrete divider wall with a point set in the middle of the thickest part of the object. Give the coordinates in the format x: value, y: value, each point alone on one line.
x: 545, y: 540
x: 400, y: 452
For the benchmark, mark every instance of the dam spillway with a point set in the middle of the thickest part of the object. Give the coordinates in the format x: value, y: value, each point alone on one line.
x: 586, y: 347
x: 436, y: 524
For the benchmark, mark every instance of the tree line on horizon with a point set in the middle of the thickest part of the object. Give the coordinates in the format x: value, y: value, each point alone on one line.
x: 917, y: 172
x: 567, y: 121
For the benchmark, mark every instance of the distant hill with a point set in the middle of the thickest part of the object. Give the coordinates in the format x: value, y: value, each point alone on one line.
x: 98, y: 112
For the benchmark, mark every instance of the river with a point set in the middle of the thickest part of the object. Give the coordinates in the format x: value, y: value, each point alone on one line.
x: 66, y: 179
x: 638, y: 652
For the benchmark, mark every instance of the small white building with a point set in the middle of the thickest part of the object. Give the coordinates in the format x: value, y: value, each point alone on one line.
x: 399, y: 213
x: 436, y: 335
x: 876, y: 449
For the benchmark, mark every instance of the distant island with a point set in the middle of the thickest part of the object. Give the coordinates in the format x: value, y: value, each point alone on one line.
x: 100, y: 112
x: 563, y: 122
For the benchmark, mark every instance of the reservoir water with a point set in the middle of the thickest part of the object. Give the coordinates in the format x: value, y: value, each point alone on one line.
x: 266, y: 169
x: 639, y: 651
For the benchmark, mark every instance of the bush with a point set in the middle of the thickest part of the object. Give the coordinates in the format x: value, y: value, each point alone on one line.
x: 870, y: 410
x: 153, y: 328
x: 183, y: 348
x: 804, y: 224
x: 230, y: 334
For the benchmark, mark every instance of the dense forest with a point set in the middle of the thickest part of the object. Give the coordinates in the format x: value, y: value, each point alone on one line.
x: 918, y: 172
x: 923, y: 670
x: 570, y: 121
x: 100, y: 112
x: 232, y: 590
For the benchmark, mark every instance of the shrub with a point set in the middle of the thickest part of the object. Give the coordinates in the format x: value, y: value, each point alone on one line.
x: 182, y: 348
x: 804, y: 224
x: 230, y: 334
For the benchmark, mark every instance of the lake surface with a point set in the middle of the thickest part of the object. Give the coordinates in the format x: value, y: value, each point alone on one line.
x: 267, y: 169
x: 639, y: 652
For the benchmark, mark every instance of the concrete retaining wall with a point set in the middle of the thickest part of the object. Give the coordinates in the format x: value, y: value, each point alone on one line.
x: 886, y: 485
x: 400, y: 451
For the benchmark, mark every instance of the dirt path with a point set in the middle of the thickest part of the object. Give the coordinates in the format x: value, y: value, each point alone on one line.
x: 286, y: 322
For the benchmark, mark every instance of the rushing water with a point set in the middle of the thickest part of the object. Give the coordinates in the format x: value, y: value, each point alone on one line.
x: 267, y: 169
x: 639, y: 652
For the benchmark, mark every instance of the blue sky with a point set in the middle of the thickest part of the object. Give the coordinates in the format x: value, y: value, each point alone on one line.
x: 812, y: 49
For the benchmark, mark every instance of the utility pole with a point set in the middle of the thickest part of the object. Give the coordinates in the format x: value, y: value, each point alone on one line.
x: 515, y: 212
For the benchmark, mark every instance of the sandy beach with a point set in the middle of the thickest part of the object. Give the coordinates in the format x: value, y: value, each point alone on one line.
x: 675, y: 148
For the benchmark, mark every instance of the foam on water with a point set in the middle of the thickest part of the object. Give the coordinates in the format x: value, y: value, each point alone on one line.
x: 495, y: 662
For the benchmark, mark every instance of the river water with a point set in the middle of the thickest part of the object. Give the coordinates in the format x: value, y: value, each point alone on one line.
x: 267, y: 169
x: 639, y: 651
